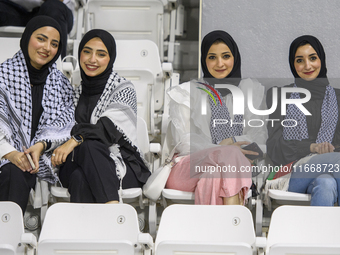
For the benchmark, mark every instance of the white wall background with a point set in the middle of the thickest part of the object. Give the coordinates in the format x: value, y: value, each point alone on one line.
x: 264, y: 29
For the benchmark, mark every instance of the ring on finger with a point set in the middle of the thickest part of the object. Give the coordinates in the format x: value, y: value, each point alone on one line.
x: 53, y: 155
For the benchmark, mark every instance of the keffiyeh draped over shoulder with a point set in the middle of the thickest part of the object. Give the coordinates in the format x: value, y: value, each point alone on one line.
x: 56, y: 120
x: 118, y: 102
x: 319, y: 89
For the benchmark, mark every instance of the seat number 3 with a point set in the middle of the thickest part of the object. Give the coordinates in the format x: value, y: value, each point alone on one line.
x: 236, y: 221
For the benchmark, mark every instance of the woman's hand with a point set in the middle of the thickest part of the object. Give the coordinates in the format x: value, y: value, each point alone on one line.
x: 228, y: 141
x: 35, y: 151
x: 60, y: 154
x: 20, y: 160
x: 321, y: 148
x: 239, y: 144
x: 245, y: 152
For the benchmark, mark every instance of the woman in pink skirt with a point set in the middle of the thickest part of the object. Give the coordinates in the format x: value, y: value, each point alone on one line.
x: 208, y: 137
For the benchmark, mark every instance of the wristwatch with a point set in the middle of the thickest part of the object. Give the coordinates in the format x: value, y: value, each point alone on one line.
x: 78, y: 138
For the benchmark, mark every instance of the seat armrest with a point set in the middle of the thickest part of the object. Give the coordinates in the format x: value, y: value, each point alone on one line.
x: 165, y: 2
x: 261, y: 242
x: 29, y: 239
x: 146, y: 240
x: 82, y: 2
x: 167, y: 69
x: 155, y: 148
x: 60, y: 192
x: 67, y: 69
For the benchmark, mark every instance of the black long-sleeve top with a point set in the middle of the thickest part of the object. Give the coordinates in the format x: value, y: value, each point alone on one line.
x: 37, y: 109
x: 283, y: 151
x: 106, y: 132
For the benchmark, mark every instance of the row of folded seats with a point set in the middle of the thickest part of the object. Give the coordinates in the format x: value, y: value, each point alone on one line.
x: 184, y: 229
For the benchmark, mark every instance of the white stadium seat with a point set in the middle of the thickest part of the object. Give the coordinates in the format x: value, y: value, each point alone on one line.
x: 127, y: 19
x: 206, y: 229
x: 71, y: 228
x: 13, y: 239
x: 304, y: 230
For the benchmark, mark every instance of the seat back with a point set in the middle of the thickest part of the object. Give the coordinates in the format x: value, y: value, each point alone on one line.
x: 205, y: 229
x: 304, y: 230
x: 11, y: 229
x: 142, y: 136
x: 71, y: 228
x: 8, y: 47
x: 127, y: 19
x: 139, y: 62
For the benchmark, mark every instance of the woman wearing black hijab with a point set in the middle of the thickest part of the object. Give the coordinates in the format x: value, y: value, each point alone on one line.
x: 102, y: 156
x: 36, y: 110
x: 234, y: 77
x: 311, y: 140
x: 197, y: 135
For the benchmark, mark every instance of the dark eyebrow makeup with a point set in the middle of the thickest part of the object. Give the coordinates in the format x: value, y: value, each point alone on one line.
x: 308, y: 55
x: 47, y: 38
x: 89, y: 48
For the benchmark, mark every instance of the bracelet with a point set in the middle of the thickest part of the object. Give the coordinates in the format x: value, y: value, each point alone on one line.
x: 233, y: 138
x: 44, y: 144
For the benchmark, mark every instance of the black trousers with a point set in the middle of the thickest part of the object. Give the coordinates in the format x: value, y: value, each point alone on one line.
x: 15, y: 185
x: 12, y: 14
x: 91, y: 176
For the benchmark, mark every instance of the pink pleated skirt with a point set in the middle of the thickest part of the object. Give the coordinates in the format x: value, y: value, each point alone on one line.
x: 213, y: 174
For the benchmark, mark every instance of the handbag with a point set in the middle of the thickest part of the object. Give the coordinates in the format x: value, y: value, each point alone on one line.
x: 153, y: 187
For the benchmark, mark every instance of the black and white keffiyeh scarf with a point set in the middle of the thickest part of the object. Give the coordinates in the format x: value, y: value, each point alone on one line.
x: 221, y: 125
x: 319, y: 89
x: 118, y: 100
x: 56, y: 120
x: 329, y: 119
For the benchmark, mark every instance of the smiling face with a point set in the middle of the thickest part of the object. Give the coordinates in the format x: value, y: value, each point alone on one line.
x: 307, y: 62
x: 43, y: 46
x: 94, y: 57
x: 220, y: 60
